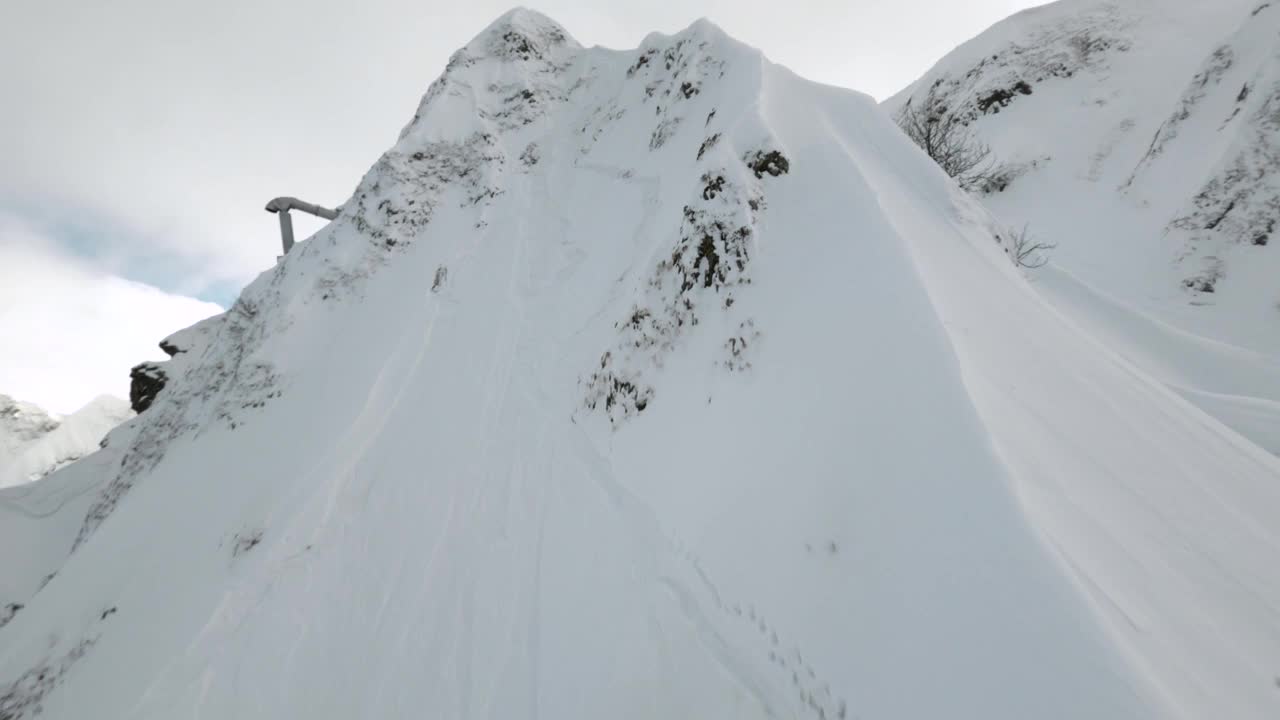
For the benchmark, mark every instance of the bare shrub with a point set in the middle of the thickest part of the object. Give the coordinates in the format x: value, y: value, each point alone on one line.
x: 948, y: 140
x: 1027, y: 251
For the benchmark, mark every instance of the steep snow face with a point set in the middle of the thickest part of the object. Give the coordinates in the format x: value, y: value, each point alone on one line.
x: 1224, y: 135
x: 34, y: 444
x: 658, y: 383
x: 1141, y: 136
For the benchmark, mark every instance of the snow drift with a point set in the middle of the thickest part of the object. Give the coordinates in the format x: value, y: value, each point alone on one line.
x: 656, y: 383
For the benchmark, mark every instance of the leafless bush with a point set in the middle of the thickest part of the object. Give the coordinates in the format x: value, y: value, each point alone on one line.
x: 1027, y: 251
x: 945, y: 137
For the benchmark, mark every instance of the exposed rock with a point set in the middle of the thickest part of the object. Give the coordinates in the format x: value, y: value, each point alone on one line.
x: 146, y: 381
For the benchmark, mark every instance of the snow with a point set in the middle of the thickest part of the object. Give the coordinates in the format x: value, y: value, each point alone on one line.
x: 576, y: 411
x: 34, y: 443
x: 1147, y: 151
x: 22, y: 423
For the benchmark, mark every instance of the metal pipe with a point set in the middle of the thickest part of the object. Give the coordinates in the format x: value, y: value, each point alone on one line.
x: 293, y: 203
x: 286, y: 230
x: 282, y: 205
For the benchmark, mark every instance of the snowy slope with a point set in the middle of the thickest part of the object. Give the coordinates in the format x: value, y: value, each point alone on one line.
x: 34, y: 443
x: 656, y: 383
x: 1142, y: 137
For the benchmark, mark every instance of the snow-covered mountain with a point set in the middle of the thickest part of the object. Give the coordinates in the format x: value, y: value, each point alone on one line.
x: 647, y: 383
x: 1143, y: 138
x: 21, y: 424
x: 34, y: 443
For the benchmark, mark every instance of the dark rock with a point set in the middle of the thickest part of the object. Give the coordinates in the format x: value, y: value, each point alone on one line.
x: 713, y: 186
x: 707, y: 257
x: 1204, y: 285
x: 8, y: 611
x: 641, y: 62
x: 772, y: 162
x: 1002, y: 97
x: 146, y: 381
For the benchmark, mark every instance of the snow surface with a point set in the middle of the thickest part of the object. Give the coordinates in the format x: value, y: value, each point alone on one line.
x: 1145, y: 142
x: 34, y: 443
x: 650, y: 383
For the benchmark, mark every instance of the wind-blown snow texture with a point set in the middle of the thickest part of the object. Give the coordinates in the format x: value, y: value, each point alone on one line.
x: 34, y: 443
x: 1143, y: 137
x: 658, y: 383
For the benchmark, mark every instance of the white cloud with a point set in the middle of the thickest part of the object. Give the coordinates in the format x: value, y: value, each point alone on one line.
x: 70, y: 332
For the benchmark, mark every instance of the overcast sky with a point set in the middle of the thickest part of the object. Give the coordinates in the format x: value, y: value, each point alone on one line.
x: 141, y: 138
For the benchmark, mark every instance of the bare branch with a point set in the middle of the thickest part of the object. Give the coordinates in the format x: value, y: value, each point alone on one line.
x: 1028, y: 252
x: 948, y: 140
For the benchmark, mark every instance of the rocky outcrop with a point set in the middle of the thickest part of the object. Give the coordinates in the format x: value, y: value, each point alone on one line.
x: 146, y: 380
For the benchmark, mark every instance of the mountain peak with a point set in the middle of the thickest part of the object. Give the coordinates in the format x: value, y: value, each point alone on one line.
x: 521, y: 34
